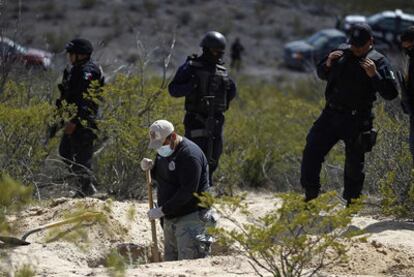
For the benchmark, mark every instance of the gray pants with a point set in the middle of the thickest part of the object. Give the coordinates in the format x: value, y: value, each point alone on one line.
x: 185, y: 237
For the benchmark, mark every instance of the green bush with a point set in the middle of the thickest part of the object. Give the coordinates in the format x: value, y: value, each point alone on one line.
x: 56, y: 41
x: 13, y: 198
x: 128, y: 112
x: 296, y: 239
x: 23, y: 123
x: 390, y: 165
x: 265, y: 133
x: 25, y: 271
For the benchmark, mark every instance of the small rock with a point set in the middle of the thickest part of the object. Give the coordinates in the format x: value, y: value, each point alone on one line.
x: 376, y: 244
x: 382, y: 251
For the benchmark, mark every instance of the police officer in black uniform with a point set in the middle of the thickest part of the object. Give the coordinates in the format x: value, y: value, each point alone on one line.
x: 236, y: 54
x: 407, y: 82
x: 76, y: 145
x: 354, y: 74
x: 208, y: 90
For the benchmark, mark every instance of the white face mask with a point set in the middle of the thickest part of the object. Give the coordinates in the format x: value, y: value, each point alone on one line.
x: 165, y: 151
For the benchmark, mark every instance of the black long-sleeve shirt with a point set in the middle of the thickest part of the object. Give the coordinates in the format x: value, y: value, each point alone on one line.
x: 350, y: 87
x: 178, y: 177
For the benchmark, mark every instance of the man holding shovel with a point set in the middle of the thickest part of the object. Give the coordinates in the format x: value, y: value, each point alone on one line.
x: 180, y: 170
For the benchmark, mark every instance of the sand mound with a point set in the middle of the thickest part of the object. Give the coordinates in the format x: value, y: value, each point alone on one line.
x: 82, y: 249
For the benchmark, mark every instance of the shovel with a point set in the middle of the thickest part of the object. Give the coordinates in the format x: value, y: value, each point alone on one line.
x: 13, y: 241
x: 154, y: 247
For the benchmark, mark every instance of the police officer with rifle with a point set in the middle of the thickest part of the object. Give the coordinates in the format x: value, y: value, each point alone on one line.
x: 76, y: 145
x: 208, y: 90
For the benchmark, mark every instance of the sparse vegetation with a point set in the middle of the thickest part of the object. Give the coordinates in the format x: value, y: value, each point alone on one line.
x: 88, y: 4
x: 56, y: 41
x: 296, y: 239
x: 150, y: 7
x: 115, y: 264
x: 25, y: 271
x: 13, y: 198
x: 265, y: 133
x: 185, y: 17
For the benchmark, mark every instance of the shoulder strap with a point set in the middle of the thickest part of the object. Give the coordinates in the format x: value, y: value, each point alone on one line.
x: 221, y: 67
x: 375, y: 55
x: 195, y: 63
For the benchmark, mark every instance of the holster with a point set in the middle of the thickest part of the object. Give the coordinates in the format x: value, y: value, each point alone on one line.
x: 368, y: 139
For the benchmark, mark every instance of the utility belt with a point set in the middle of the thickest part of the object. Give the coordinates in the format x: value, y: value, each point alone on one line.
x: 209, y: 127
x: 346, y: 110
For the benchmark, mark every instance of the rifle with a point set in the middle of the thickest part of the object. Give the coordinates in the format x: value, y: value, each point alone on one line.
x: 406, y: 98
x: 55, y: 127
x: 210, y: 125
x: 52, y: 130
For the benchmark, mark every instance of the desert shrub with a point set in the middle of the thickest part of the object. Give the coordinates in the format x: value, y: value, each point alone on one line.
x: 25, y: 271
x: 295, y: 239
x: 88, y: 4
x: 56, y: 42
x: 23, y: 128
x: 150, y: 7
x: 265, y: 133
x: 128, y: 112
x: 375, y: 6
x: 185, y: 17
x: 264, y: 137
x: 48, y: 7
x: 116, y: 266
x: 13, y: 198
x: 389, y: 167
x: 355, y: 6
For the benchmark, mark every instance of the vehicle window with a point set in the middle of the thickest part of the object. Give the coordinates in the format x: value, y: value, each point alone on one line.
x: 317, y: 40
x: 406, y: 23
x: 385, y: 24
x: 372, y: 20
x: 314, y: 37
x: 335, y: 42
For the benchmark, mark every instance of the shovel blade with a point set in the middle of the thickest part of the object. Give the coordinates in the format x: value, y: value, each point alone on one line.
x: 13, y: 241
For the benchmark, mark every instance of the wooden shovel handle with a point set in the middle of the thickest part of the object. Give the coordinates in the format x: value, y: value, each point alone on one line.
x: 83, y: 216
x: 154, y: 248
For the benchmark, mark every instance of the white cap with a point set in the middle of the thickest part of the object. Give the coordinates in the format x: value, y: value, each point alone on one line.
x: 159, y: 131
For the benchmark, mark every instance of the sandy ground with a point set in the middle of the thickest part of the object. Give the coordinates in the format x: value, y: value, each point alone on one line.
x: 81, y: 250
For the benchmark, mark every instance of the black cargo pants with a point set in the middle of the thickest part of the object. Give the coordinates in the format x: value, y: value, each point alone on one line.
x: 77, y: 149
x: 202, y: 142
x: 332, y: 126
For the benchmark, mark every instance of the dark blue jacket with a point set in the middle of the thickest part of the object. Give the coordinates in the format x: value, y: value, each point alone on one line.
x: 350, y: 87
x: 178, y: 177
x: 74, y: 90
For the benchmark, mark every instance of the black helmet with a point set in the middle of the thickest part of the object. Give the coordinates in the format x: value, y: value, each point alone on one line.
x: 79, y: 46
x: 213, y: 39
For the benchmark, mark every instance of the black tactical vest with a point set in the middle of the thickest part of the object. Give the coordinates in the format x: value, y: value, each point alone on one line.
x: 213, y: 81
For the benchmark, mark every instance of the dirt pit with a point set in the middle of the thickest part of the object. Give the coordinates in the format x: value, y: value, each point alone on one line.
x: 88, y: 247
